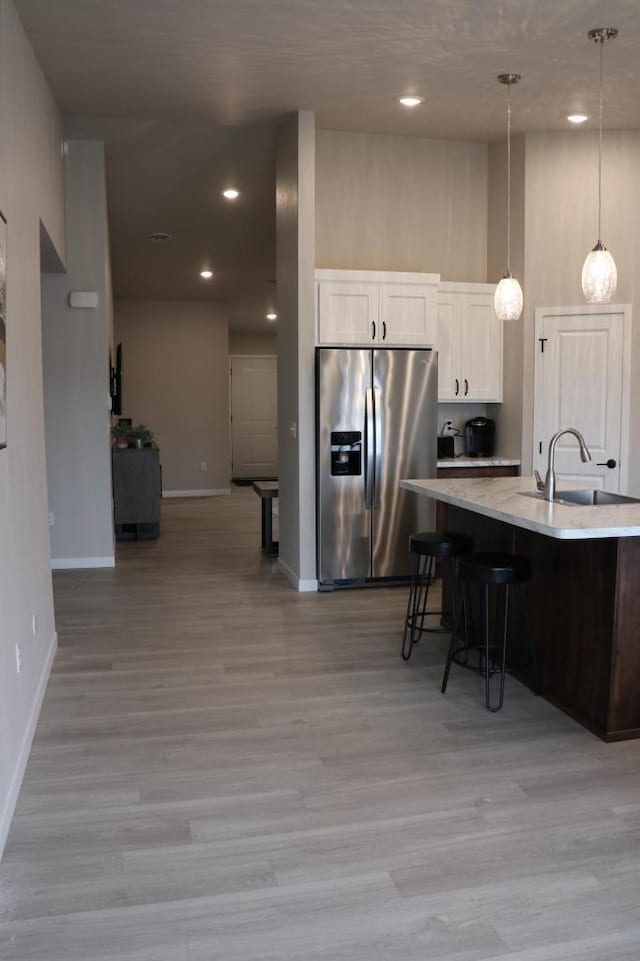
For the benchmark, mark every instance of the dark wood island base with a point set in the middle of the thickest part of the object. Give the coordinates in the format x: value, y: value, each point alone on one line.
x: 585, y: 603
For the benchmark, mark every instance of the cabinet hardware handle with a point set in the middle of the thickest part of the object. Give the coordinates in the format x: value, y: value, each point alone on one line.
x: 384, y: 330
x: 457, y: 386
x: 611, y: 463
x: 466, y: 387
x: 373, y: 335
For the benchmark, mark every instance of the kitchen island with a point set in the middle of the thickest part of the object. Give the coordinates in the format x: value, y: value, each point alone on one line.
x: 584, y: 591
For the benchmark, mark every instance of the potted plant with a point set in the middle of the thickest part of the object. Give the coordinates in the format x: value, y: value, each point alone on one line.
x: 120, y: 432
x: 140, y: 435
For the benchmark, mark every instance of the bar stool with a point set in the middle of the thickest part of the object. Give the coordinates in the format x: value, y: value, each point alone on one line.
x: 490, y: 571
x: 426, y: 548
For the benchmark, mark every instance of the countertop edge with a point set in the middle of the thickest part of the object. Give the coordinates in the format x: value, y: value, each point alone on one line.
x: 517, y: 520
x: 464, y: 461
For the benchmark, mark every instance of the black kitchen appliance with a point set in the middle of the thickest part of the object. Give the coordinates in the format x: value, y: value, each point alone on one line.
x: 445, y: 446
x: 480, y: 437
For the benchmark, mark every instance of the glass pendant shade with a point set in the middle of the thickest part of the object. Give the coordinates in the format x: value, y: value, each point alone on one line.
x: 599, y: 273
x: 599, y: 276
x: 508, y: 298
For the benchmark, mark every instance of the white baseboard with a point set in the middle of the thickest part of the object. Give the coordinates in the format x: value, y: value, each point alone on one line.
x: 300, y: 585
x: 9, y: 804
x: 80, y: 563
x: 213, y: 492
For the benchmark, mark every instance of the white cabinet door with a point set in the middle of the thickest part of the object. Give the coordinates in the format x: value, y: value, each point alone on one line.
x: 480, y: 350
x: 408, y: 315
x: 579, y: 382
x: 448, y: 347
x: 348, y: 313
x: 469, y: 345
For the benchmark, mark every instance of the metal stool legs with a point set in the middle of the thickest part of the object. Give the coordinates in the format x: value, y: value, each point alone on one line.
x: 460, y: 610
x: 421, y: 580
x: 489, y: 668
x: 488, y: 646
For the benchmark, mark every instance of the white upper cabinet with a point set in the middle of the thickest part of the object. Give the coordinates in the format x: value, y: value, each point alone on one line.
x: 348, y: 312
x: 376, y: 307
x: 469, y: 344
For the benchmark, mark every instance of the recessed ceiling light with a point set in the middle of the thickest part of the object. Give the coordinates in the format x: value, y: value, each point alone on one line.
x: 206, y: 274
x: 231, y: 193
x: 577, y: 117
x: 272, y: 315
x: 160, y: 237
x: 410, y: 101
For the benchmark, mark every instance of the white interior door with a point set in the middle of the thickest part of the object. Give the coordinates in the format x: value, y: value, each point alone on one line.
x: 581, y: 380
x: 254, y: 417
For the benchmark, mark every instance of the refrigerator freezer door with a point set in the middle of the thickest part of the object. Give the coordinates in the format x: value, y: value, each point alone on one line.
x: 406, y: 395
x: 343, y: 384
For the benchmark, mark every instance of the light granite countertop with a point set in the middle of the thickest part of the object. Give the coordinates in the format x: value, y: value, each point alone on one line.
x: 502, y: 499
x: 464, y: 461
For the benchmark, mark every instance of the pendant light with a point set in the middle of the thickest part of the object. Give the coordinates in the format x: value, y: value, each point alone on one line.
x: 599, y: 274
x: 508, y: 295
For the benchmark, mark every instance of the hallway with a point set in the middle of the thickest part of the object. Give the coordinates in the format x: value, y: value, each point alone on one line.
x: 225, y: 769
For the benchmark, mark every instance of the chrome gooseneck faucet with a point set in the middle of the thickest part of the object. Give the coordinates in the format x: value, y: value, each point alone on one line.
x: 550, y: 479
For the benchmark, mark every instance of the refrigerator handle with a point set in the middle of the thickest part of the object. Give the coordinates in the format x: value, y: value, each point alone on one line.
x: 377, y: 410
x: 369, y: 446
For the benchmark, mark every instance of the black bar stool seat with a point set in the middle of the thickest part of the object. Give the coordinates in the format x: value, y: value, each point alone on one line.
x: 446, y: 544
x: 490, y: 568
x: 491, y: 571
x: 426, y: 547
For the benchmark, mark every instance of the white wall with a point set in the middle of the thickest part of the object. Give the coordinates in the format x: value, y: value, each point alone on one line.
x: 176, y: 381
x: 75, y: 352
x: 253, y: 344
x: 401, y: 203
x: 295, y: 234
x: 31, y: 191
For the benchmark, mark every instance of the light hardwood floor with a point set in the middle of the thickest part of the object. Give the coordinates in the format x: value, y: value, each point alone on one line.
x: 225, y: 770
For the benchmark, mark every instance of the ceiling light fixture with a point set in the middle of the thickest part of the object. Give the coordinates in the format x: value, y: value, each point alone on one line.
x: 160, y: 237
x: 599, y: 273
x: 272, y: 315
x: 577, y: 118
x: 230, y: 193
x: 410, y: 101
x: 206, y: 274
x: 508, y: 295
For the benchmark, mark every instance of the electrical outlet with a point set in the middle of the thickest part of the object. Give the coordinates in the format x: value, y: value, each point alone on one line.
x: 52, y: 519
x: 34, y: 624
x: 203, y: 465
x: 18, y: 659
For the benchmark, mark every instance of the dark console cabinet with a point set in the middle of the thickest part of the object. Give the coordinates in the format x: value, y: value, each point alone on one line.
x: 137, y: 490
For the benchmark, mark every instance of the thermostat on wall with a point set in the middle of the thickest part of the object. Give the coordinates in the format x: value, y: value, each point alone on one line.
x: 84, y: 299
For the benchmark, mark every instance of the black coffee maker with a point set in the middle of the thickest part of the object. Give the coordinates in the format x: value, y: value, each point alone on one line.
x: 480, y: 437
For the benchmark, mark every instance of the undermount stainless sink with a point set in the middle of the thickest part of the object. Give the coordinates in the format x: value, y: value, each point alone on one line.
x: 588, y: 498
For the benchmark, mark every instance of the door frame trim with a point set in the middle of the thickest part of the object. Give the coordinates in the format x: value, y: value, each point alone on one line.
x: 625, y: 393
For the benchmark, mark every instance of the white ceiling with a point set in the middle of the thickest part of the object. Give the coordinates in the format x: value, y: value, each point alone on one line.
x: 197, y: 88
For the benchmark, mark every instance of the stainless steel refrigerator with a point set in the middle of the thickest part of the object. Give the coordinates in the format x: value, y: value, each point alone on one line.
x: 376, y: 423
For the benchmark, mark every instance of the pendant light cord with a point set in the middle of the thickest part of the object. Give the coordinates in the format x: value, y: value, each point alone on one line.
x: 600, y: 112
x: 509, y: 179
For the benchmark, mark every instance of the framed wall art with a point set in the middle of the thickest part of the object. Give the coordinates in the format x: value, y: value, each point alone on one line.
x: 3, y: 332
